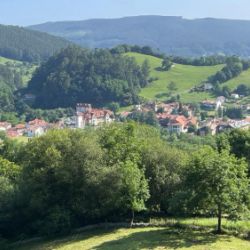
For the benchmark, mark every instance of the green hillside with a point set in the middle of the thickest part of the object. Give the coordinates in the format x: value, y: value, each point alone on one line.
x: 244, y: 78
x: 27, y: 45
x: 185, y: 77
x: 25, y: 69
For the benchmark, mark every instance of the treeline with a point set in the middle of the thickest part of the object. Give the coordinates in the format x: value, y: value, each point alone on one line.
x: 78, y: 75
x: 195, y: 61
x: 71, y: 178
x: 27, y: 45
x: 234, y: 67
x: 200, y: 61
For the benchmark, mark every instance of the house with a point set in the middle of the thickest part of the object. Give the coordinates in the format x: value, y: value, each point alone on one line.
x: 235, y: 96
x: 38, y: 122
x: 35, y: 131
x: 36, y: 127
x: 12, y: 133
x: 219, y: 102
x: 177, y: 123
x: 208, y: 86
x: 20, y: 128
x: 208, y: 105
x: 87, y: 116
x: 4, y: 126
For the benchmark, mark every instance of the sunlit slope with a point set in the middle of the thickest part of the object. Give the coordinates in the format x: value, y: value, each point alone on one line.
x: 185, y: 77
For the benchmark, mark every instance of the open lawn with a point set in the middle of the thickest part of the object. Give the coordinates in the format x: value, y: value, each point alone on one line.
x: 185, y: 77
x: 143, y: 238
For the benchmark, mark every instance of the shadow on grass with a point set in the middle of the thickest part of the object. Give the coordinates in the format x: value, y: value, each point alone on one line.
x: 162, y: 95
x: 160, y: 69
x: 168, y: 238
x: 49, y: 243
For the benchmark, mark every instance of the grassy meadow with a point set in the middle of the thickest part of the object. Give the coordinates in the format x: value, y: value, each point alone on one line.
x: 185, y: 77
x: 190, y: 234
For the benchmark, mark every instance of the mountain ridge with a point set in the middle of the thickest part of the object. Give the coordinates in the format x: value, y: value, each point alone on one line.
x: 170, y: 34
x: 28, y: 45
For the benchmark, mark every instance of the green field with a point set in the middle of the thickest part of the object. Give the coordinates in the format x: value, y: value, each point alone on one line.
x: 185, y: 77
x: 142, y: 238
x: 4, y: 60
x: 244, y: 77
x: 25, y: 69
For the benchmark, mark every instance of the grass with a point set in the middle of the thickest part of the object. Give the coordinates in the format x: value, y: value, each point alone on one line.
x: 143, y: 238
x: 185, y: 77
x: 25, y: 69
x: 244, y: 77
x: 186, y: 236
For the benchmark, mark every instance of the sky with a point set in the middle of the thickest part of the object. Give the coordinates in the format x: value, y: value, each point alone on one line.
x: 28, y: 12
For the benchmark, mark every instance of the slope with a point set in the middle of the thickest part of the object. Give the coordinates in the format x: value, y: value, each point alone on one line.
x: 27, y: 45
x: 25, y: 69
x: 172, y: 35
x: 185, y: 77
x: 243, y: 78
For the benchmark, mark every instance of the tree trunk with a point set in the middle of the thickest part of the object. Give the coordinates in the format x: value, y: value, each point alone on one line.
x: 132, y: 219
x: 219, y: 220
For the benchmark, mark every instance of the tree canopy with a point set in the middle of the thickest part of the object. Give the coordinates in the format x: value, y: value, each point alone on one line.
x: 78, y: 75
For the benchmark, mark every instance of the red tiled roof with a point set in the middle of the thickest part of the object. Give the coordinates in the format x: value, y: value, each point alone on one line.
x: 12, y: 133
x: 20, y: 126
x: 5, y: 124
x: 97, y: 113
x: 38, y: 122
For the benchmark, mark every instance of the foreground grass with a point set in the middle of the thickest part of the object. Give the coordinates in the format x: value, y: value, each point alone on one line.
x: 171, y: 233
x: 185, y: 77
x: 143, y: 238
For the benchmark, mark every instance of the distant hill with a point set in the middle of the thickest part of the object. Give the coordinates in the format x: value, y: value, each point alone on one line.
x: 28, y: 45
x: 173, y: 35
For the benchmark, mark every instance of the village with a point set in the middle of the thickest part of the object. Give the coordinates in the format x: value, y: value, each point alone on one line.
x: 174, y: 117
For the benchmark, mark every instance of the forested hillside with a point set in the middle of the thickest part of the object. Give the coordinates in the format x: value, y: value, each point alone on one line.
x: 78, y: 75
x: 172, y: 35
x: 26, y: 45
x: 9, y: 81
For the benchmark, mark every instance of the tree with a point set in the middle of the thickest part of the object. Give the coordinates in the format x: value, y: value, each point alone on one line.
x: 242, y: 89
x: 234, y: 113
x: 172, y: 86
x: 163, y: 165
x: 216, y: 184
x: 9, y: 175
x: 123, y: 154
x: 145, y: 68
x: 59, y: 175
x: 166, y: 64
x: 114, y: 106
x: 134, y: 189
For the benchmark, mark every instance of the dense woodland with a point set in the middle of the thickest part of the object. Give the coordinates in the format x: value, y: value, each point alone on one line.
x: 71, y: 178
x: 27, y: 45
x: 10, y: 80
x: 78, y: 75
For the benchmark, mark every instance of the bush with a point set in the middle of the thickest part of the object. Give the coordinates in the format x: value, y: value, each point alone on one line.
x: 57, y: 222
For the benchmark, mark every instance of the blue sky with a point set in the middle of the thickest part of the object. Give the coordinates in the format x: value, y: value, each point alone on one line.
x: 26, y: 12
